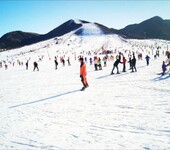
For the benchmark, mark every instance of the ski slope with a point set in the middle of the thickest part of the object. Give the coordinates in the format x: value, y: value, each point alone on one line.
x: 46, y: 110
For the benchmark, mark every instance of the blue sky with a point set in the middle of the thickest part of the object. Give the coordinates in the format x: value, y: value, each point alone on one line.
x: 41, y: 16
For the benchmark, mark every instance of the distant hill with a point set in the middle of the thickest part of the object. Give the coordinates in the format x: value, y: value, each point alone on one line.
x: 14, y: 39
x: 153, y: 28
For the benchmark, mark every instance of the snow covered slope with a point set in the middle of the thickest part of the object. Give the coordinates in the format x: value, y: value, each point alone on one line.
x: 89, y: 29
x: 45, y: 109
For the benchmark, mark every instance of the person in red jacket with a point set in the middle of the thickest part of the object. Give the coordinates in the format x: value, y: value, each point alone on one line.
x: 124, y: 64
x: 83, y: 74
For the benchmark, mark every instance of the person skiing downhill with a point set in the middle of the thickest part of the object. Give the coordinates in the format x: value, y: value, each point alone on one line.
x: 83, y: 74
x: 163, y: 68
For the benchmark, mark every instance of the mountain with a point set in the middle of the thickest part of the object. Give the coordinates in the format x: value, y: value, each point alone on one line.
x: 14, y: 39
x: 18, y: 38
x: 153, y: 28
x: 89, y: 28
x: 78, y: 27
x: 65, y: 28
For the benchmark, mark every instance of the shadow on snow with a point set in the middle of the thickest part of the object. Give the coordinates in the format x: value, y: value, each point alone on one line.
x: 160, y: 78
x: 121, y: 73
x: 44, y: 99
x: 116, y: 75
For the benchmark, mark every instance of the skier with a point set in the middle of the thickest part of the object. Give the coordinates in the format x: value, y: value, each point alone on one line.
x: 147, y: 59
x: 68, y: 60
x: 6, y: 66
x: 99, y: 64
x: 26, y: 65
x: 124, y: 64
x: 157, y: 53
x: 62, y: 61
x: 91, y: 61
x: 83, y: 74
x: 130, y: 62
x: 134, y: 64
x: 55, y: 61
x: 105, y: 61
x: 163, y: 68
x: 95, y: 63
x: 116, y: 65
x: 35, y: 66
x: 85, y: 59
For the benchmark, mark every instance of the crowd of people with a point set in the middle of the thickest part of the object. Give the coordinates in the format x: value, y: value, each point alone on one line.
x: 99, y: 61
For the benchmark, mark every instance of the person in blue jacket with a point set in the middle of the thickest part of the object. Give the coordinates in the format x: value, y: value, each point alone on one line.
x: 163, y: 68
x: 147, y: 60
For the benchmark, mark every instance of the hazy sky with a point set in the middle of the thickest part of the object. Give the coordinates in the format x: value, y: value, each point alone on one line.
x: 41, y: 16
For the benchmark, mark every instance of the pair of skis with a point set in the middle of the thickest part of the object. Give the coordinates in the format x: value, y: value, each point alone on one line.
x: 161, y: 73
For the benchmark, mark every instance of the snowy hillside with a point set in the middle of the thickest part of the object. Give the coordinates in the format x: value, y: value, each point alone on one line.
x: 45, y: 109
x: 88, y: 29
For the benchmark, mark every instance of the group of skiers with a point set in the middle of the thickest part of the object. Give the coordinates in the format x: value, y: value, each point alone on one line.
x: 131, y: 61
x: 120, y: 59
x: 35, y: 63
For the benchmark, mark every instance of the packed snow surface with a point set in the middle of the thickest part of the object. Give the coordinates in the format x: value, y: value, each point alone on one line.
x: 45, y: 109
